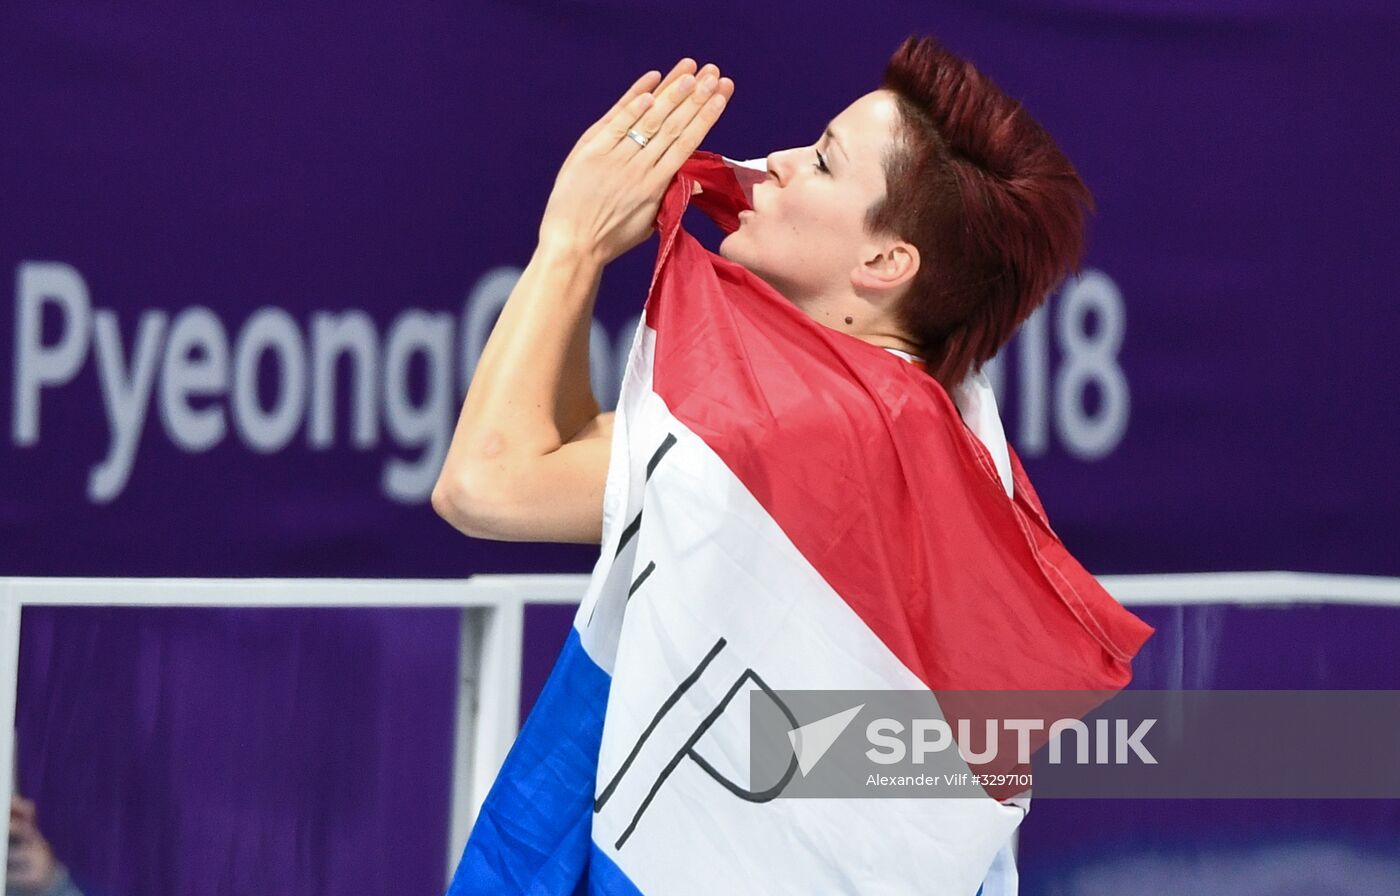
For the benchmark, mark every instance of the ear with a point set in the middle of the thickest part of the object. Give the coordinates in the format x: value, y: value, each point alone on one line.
x: 886, y: 267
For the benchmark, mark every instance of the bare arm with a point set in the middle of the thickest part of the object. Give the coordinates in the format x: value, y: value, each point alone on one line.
x: 529, y: 457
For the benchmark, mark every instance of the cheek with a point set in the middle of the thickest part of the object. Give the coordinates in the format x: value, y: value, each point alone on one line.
x: 816, y: 237
x: 816, y: 214
x: 798, y: 232
x: 798, y: 221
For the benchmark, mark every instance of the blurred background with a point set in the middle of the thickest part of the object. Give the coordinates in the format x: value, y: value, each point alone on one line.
x: 253, y: 251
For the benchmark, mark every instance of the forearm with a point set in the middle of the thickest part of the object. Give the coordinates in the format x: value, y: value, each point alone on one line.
x: 531, y: 391
x: 524, y: 463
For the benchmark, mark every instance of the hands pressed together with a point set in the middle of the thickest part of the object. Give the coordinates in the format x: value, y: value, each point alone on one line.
x: 608, y: 191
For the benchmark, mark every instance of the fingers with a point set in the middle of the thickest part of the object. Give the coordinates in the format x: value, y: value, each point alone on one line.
x: 642, y: 85
x: 651, y: 82
x: 690, y: 130
x: 615, y: 131
x: 685, y: 67
x: 661, y: 123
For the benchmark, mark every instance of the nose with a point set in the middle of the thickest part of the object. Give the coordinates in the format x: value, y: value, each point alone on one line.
x: 780, y: 165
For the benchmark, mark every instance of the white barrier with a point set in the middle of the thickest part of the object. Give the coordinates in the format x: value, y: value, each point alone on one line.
x: 493, y: 612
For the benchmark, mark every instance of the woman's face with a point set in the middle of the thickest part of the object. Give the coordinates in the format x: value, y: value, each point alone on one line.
x: 806, y: 234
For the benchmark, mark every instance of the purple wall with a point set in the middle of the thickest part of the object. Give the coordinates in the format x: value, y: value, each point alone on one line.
x: 385, y: 159
x: 242, y: 750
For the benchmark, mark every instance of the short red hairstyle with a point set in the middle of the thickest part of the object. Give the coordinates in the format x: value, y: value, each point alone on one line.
x: 996, y: 211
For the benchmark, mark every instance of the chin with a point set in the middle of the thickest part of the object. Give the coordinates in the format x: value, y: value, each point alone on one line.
x: 734, y: 249
x: 726, y: 249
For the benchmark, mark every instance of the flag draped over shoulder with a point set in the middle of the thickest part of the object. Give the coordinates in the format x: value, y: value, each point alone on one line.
x: 787, y: 507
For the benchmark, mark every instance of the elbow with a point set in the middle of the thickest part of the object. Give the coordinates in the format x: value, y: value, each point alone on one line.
x: 457, y: 500
x: 473, y: 501
x: 443, y: 499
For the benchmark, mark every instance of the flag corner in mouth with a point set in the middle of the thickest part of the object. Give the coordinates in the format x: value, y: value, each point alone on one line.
x: 787, y: 508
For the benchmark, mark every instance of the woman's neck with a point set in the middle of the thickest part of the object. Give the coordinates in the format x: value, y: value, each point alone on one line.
x: 862, y: 320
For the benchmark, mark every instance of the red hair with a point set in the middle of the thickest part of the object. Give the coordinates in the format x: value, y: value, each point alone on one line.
x: 981, y: 190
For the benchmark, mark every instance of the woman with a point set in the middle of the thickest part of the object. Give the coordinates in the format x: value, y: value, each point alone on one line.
x: 932, y: 216
x: 929, y: 219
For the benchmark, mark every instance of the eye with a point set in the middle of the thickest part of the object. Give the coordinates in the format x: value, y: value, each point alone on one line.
x: 821, y: 163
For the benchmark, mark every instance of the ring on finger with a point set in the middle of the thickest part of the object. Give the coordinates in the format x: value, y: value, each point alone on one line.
x: 656, y: 114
